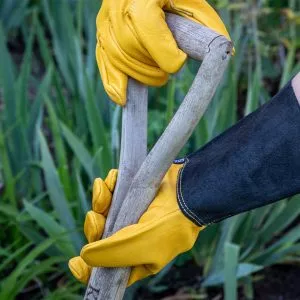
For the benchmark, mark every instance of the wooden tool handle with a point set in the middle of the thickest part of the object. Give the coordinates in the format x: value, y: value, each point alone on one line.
x: 200, y: 43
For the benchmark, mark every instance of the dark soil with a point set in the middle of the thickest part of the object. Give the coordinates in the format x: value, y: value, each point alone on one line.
x: 281, y: 282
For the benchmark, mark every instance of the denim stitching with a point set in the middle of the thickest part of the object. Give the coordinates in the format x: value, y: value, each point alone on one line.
x: 219, y: 219
x: 184, y: 206
x: 188, y: 211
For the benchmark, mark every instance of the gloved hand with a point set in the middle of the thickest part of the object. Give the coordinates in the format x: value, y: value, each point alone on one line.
x: 252, y: 164
x: 161, y: 234
x: 134, y: 40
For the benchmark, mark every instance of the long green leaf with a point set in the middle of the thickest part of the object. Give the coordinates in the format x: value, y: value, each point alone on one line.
x: 56, y: 193
x: 230, y: 270
x: 54, y: 230
x: 7, y: 80
x: 97, y: 129
x: 80, y: 150
x: 35, y: 110
x: 60, y: 151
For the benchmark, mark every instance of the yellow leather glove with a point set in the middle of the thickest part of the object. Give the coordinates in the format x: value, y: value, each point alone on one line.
x: 161, y: 234
x: 134, y: 40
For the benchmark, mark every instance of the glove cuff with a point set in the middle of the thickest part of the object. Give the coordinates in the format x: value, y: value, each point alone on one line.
x: 254, y: 163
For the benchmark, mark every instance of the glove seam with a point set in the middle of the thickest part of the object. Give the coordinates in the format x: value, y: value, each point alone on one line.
x: 182, y: 204
x: 113, y: 38
x: 109, y: 85
x: 130, y: 14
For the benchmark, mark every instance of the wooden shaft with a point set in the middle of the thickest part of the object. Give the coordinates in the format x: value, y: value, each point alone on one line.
x: 133, y: 153
x: 200, y: 43
x: 133, y: 146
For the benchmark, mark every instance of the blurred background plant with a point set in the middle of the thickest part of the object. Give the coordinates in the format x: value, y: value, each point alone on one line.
x: 58, y: 131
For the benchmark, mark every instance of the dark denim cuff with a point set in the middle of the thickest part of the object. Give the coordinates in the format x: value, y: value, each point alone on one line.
x: 252, y: 164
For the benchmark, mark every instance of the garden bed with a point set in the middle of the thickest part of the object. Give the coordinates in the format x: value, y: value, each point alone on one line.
x: 279, y: 282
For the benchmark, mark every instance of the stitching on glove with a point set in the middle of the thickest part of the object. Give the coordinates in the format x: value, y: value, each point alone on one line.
x: 183, y: 205
x: 109, y: 85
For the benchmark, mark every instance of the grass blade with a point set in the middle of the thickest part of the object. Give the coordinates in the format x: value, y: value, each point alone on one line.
x: 80, y: 151
x: 53, y: 229
x: 56, y: 193
x: 230, y: 270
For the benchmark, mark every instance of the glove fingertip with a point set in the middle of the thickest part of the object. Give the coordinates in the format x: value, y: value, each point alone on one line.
x: 86, y: 254
x: 119, y: 97
x: 101, y: 197
x: 80, y: 270
x: 94, y: 226
x: 97, y: 188
x: 111, y: 179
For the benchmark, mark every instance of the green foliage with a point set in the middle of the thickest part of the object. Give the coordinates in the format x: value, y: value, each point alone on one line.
x: 58, y: 131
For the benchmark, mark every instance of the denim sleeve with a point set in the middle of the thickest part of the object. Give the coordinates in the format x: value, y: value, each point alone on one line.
x: 254, y: 163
